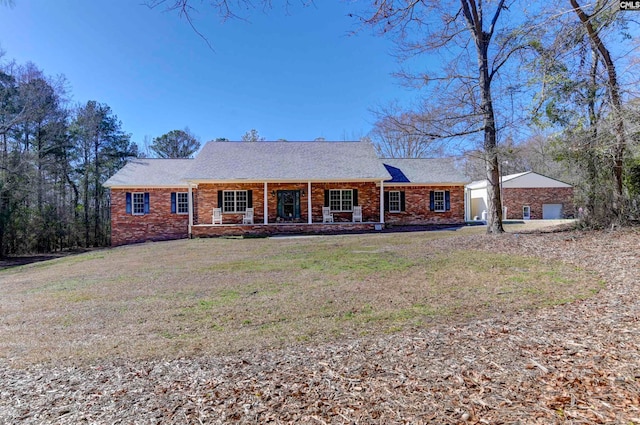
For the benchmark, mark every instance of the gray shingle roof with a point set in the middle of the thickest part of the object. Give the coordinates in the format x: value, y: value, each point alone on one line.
x: 426, y: 170
x: 481, y: 184
x: 287, y: 161
x: 153, y: 172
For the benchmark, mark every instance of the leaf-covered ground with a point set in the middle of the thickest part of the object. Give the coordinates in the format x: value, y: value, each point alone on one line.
x: 574, y: 363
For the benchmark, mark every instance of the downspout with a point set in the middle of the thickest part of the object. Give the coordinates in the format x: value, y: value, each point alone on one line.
x: 265, y: 219
x: 190, y: 204
x: 309, y: 215
x: 382, y: 201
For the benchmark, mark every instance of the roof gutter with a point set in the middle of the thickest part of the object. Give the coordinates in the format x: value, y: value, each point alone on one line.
x: 149, y: 186
x: 205, y: 181
x: 388, y: 183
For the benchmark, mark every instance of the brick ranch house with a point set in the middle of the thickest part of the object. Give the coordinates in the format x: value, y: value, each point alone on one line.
x: 286, y: 184
x: 525, y: 196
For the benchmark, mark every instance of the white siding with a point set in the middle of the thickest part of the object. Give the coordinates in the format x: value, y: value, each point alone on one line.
x: 478, y: 198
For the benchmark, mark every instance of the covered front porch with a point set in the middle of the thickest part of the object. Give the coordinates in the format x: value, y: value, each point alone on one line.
x: 284, y: 207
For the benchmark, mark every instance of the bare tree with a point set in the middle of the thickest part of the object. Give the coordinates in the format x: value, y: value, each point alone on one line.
x: 252, y: 136
x: 399, y: 133
x: 474, y: 47
x: 224, y: 9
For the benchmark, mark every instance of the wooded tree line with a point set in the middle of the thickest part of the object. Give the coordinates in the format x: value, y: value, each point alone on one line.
x: 53, y: 162
x: 55, y: 158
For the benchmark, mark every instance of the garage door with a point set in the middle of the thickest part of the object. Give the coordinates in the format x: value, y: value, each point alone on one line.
x: 551, y: 211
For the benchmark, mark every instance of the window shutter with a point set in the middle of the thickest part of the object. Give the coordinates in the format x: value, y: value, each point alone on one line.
x: 249, y: 198
x: 219, y: 199
x: 326, y: 198
x: 128, y: 200
x: 355, y: 197
x: 386, y: 201
x: 173, y: 203
x: 402, y: 206
x: 146, y: 202
x: 431, y: 200
x: 447, y: 200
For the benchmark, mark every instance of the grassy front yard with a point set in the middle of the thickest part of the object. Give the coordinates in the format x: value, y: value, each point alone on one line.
x: 214, y: 296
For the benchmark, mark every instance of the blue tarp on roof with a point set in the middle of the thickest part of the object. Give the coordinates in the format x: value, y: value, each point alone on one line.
x: 397, y: 176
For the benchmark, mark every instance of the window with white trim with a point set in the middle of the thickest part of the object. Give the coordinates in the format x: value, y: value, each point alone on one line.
x: 394, y: 202
x: 438, y: 201
x: 234, y: 201
x: 182, y: 202
x: 137, y: 201
x: 341, y: 200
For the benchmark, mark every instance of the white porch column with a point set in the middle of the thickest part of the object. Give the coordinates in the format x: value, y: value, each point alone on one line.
x: 467, y: 205
x: 309, y: 214
x: 266, y: 209
x: 382, y: 201
x: 190, y: 204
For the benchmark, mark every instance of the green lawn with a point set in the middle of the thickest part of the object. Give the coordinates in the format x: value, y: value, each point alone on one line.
x: 214, y: 296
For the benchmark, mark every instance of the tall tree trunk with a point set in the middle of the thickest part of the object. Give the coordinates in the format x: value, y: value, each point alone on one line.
x: 616, y: 107
x: 482, y: 39
x: 73, y: 235
x: 494, y: 195
x: 592, y: 168
x: 3, y: 164
x: 96, y: 195
x: 40, y: 169
x: 41, y: 244
x: 85, y: 196
x: 4, y: 201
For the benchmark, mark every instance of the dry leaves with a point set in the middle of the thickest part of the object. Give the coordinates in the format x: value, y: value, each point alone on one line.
x: 572, y: 364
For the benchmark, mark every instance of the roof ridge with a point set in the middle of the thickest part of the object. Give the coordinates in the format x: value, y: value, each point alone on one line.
x: 284, y: 141
x: 172, y: 159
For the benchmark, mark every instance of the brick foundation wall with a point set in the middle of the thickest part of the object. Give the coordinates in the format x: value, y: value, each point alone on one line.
x: 159, y: 224
x: 516, y: 198
x: 417, y: 206
x: 281, y: 229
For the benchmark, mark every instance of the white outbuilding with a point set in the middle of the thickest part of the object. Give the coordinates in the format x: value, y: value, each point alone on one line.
x: 525, y: 196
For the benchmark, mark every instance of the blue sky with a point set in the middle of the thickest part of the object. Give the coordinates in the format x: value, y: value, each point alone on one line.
x: 295, y: 75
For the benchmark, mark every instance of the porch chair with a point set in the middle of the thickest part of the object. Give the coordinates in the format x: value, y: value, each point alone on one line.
x: 247, y: 218
x: 327, y: 217
x: 217, y: 216
x: 357, y: 214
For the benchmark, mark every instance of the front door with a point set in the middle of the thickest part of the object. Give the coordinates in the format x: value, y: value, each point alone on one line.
x: 289, y: 204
